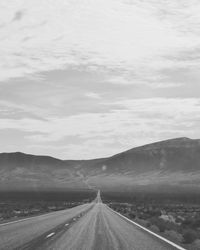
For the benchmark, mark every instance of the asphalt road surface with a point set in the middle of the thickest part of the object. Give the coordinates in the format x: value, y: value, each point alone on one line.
x: 88, y: 227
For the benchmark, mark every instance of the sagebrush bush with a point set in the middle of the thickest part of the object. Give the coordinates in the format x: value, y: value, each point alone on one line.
x: 197, y: 244
x: 173, y: 235
x: 189, y: 236
x: 154, y: 228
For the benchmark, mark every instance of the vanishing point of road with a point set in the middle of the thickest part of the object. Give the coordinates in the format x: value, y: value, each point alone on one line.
x: 91, y: 226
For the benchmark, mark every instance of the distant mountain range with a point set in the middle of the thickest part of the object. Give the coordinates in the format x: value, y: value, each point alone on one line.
x: 166, y: 166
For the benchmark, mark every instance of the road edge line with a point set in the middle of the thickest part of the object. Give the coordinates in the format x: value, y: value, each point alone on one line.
x: 145, y: 229
x: 29, y: 218
x: 33, y: 217
x: 15, y: 221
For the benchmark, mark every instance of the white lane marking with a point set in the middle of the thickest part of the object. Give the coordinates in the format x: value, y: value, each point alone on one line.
x: 49, y: 235
x: 145, y: 229
x: 66, y: 224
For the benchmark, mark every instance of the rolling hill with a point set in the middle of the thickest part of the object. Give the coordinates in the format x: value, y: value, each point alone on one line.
x: 166, y: 166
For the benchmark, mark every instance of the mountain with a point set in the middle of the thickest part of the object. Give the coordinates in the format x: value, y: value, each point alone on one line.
x: 166, y: 166
x: 19, y: 171
x: 162, y: 166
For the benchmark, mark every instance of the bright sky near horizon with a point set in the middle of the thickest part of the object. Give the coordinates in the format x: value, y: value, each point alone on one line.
x: 91, y: 78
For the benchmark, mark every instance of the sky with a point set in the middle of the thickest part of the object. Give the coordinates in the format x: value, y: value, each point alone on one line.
x: 91, y: 78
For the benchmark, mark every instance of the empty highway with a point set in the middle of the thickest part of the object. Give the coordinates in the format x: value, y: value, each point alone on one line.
x: 91, y: 226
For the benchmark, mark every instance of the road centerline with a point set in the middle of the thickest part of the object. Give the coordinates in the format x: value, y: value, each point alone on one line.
x: 50, y: 235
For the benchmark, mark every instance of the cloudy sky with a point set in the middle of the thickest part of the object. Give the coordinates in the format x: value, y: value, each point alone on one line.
x: 90, y: 78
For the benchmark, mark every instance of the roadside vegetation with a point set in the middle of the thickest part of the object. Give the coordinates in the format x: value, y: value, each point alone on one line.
x: 15, y: 206
x: 176, y: 221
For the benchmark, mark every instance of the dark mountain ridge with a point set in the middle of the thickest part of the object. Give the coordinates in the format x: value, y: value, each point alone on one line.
x: 166, y: 165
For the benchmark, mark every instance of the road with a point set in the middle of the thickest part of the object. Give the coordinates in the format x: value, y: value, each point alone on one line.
x: 91, y: 226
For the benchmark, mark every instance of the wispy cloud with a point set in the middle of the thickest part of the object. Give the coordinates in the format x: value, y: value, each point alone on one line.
x: 130, y: 36
x: 141, y: 121
x: 93, y: 95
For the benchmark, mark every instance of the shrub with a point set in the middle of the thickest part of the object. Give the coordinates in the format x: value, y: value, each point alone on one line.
x: 154, y: 228
x: 196, y: 223
x: 148, y: 224
x: 197, y: 244
x: 189, y: 236
x: 162, y: 227
x: 188, y: 222
x: 174, y: 235
x: 132, y: 215
x: 161, y: 224
x: 144, y: 223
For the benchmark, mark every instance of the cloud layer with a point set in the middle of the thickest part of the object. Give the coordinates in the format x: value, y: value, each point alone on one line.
x: 85, y: 78
x: 136, y: 123
x: 133, y: 36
